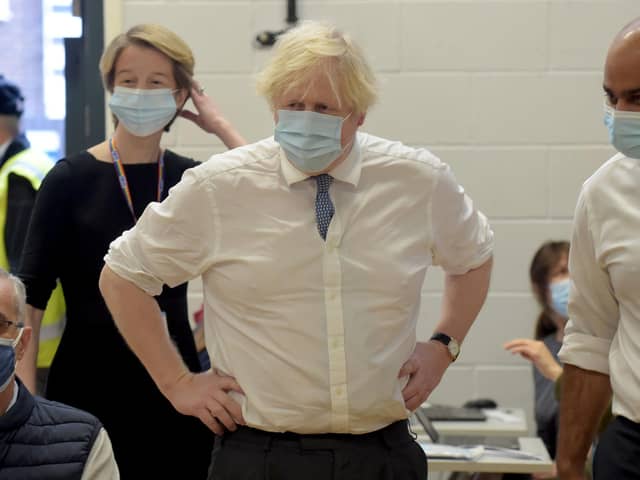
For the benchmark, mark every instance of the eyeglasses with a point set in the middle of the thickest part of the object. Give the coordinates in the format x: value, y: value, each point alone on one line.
x: 9, y: 329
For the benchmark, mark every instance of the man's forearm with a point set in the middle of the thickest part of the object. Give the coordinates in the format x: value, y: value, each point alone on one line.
x: 585, y: 397
x: 140, y: 322
x: 463, y: 298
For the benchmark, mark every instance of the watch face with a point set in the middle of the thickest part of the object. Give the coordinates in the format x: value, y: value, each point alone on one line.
x: 454, y: 348
x: 451, y: 343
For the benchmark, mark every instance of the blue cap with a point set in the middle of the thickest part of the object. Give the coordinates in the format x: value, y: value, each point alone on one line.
x: 11, y: 99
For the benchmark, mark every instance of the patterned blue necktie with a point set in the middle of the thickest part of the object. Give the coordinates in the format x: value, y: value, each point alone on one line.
x: 324, y: 206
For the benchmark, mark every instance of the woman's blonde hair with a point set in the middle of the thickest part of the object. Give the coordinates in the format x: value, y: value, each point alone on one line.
x: 152, y: 36
x: 313, y: 48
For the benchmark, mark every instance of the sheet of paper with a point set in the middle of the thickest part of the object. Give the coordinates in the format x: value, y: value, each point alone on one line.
x: 511, y: 453
x: 501, y: 415
x: 437, y: 450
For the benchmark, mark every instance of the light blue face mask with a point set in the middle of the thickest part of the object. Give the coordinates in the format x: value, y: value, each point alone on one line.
x: 312, y: 141
x: 7, y: 360
x: 624, y: 131
x: 141, y: 111
x: 560, y: 297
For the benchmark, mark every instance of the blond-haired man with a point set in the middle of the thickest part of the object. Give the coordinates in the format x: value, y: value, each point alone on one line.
x: 313, y: 246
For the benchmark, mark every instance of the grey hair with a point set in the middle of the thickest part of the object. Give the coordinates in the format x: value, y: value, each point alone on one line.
x: 19, y: 294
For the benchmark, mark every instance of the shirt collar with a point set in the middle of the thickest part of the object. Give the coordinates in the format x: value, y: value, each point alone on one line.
x: 347, y: 171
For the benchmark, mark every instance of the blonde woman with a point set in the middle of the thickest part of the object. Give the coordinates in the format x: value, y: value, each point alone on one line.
x: 86, y: 201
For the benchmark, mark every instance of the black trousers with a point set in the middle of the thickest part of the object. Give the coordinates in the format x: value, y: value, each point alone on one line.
x: 617, y: 455
x: 387, y: 454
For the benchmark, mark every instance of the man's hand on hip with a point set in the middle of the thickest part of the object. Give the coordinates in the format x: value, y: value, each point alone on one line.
x: 206, y: 396
x: 425, y: 368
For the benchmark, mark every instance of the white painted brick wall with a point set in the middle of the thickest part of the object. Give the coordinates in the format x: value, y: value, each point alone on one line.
x: 507, y: 92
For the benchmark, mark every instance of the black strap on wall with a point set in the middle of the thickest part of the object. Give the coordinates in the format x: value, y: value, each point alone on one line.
x: 267, y: 38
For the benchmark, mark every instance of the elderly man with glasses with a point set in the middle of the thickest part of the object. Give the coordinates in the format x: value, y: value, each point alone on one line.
x: 40, y: 438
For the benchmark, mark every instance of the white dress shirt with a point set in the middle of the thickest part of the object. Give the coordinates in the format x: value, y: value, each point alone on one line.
x: 603, y: 331
x: 315, y: 332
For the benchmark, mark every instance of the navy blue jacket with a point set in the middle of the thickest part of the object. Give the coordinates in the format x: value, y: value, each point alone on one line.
x: 40, y: 439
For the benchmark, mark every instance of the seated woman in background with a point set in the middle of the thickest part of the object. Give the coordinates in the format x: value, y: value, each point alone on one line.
x: 549, y: 275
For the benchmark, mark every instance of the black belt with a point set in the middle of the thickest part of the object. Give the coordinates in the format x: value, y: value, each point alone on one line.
x: 391, y: 435
x: 628, y: 423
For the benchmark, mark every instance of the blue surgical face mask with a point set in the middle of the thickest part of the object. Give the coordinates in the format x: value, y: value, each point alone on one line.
x: 312, y: 141
x: 560, y: 297
x: 143, y: 112
x: 7, y: 360
x: 624, y: 130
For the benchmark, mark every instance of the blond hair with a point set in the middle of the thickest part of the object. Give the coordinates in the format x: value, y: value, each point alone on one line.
x: 314, y: 48
x: 152, y: 36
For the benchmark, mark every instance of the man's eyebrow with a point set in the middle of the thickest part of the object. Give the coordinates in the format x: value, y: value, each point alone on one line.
x: 626, y: 93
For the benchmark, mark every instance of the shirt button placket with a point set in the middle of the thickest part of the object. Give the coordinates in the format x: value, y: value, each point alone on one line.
x: 335, y: 328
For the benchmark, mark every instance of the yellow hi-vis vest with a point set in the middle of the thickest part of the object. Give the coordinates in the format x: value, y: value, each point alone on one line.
x: 33, y: 166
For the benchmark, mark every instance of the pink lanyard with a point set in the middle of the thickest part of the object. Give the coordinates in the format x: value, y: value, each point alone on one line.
x: 122, y: 177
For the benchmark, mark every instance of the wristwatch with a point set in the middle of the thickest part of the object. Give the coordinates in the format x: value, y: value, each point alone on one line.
x: 451, y: 343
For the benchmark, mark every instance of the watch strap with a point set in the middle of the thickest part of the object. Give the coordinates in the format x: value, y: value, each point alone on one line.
x: 449, y: 342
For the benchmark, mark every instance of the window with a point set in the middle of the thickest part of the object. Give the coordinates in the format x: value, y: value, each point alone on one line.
x: 35, y: 61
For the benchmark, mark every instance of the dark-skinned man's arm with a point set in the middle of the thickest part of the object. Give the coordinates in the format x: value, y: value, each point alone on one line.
x: 578, y: 426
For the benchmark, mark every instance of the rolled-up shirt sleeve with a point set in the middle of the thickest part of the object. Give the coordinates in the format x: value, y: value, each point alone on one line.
x: 462, y: 237
x: 593, y: 308
x: 173, y: 241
